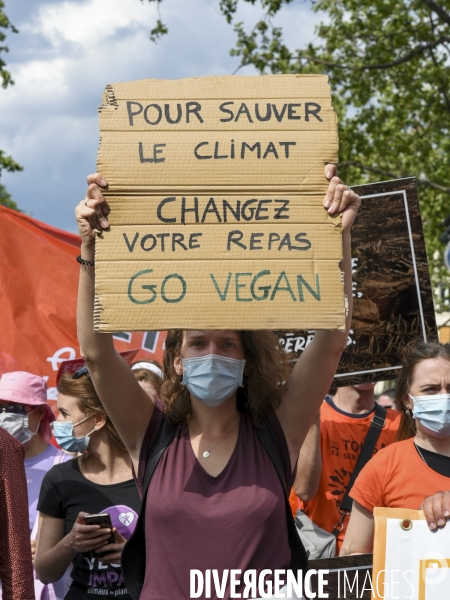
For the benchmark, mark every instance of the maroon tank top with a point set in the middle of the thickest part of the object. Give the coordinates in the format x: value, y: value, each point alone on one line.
x: 193, y: 520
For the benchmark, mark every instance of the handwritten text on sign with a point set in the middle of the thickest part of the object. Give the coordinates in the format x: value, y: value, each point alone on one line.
x: 216, y: 188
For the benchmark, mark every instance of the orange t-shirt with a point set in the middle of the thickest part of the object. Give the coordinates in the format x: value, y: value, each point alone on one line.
x: 294, y: 501
x: 341, y: 437
x: 397, y: 478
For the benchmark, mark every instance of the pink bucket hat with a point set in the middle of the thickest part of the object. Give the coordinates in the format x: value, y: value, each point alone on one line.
x: 24, y: 388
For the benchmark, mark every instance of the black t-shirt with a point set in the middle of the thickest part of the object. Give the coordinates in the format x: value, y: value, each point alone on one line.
x: 437, y: 462
x: 64, y: 493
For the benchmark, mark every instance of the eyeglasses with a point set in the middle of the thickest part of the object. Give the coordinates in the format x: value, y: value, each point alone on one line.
x: 81, y: 372
x: 16, y: 409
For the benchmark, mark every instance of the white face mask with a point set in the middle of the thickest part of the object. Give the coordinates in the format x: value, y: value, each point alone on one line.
x: 17, y: 426
x: 433, y: 414
x: 212, y: 379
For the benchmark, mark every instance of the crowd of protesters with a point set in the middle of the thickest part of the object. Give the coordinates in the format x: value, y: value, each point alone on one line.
x: 224, y: 458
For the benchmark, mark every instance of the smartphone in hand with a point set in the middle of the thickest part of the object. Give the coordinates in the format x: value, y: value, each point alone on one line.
x: 102, y: 519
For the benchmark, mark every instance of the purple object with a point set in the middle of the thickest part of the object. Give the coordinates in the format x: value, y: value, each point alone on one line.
x: 123, y: 518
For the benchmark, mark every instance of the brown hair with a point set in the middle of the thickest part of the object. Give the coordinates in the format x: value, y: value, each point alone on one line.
x: 82, y: 389
x: 152, y: 378
x: 412, y: 356
x: 266, y: 369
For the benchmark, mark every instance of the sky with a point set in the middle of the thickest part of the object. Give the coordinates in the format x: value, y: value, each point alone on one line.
x: 64, y: 55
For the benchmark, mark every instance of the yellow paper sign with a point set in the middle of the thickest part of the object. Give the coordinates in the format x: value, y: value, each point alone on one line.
x: 216, y: 187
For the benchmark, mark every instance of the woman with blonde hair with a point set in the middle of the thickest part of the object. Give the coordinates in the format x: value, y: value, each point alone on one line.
x: 217, y: 496
x: 98, y: 481
x: 414, y: 472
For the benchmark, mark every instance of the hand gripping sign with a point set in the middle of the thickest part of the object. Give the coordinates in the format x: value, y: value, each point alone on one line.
x: 216, y: 187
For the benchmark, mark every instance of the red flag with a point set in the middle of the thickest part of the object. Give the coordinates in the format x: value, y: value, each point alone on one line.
x: 38, y: 283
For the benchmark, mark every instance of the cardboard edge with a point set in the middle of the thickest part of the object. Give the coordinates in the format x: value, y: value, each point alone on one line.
x: 336, y: 118
x: 98, y: 309
x: 399, y: 513
x: 106, y: 328
x: 108, y: 99
x: 379, y: 550
x: 214, y: 78
x: 109, y: 102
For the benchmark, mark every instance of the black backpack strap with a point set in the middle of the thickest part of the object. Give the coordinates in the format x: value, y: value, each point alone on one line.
x: 268, y: 438
x: 365, y: 455
x: 163, y: 439
x: 133, y: 554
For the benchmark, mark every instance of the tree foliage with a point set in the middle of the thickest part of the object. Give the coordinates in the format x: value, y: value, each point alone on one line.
x: 388, y: 64
x: 159, y: 29
x: 6, y: 162
x: 6, y: 200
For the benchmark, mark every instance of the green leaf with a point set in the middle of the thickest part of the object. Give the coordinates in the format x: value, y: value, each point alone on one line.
x: 158, y: 31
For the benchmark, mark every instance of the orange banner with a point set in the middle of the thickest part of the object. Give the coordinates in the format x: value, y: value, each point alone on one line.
x: 38, y: 283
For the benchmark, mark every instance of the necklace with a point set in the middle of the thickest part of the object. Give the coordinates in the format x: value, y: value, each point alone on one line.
x: 420, y: 453
x: 206, y: 453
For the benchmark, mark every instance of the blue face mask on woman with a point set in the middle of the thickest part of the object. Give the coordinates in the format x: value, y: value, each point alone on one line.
x: 433, y: 413
x: 63, y: 432
x: 212, y: 378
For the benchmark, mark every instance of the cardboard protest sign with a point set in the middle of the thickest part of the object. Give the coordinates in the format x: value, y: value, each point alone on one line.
x: 216, y: 187
x: 392, y: 297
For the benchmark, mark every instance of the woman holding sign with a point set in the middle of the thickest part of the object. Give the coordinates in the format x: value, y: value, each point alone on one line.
x: 229, y: 430
x: 415, y: 472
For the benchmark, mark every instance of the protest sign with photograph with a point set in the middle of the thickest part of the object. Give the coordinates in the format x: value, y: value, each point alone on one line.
x: 216, y: 190
x: 392, y: 297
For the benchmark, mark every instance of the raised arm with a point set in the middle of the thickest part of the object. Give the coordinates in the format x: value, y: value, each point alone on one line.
x: 126, y: 403
x: 313, y: 373
x: 309, y: 466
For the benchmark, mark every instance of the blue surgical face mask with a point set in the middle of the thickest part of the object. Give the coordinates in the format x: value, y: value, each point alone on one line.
x: 212, y: 379
x: 433, y: 414
x: 63, y: 432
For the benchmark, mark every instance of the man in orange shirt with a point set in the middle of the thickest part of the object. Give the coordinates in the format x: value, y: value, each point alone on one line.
x: 331, y: 449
